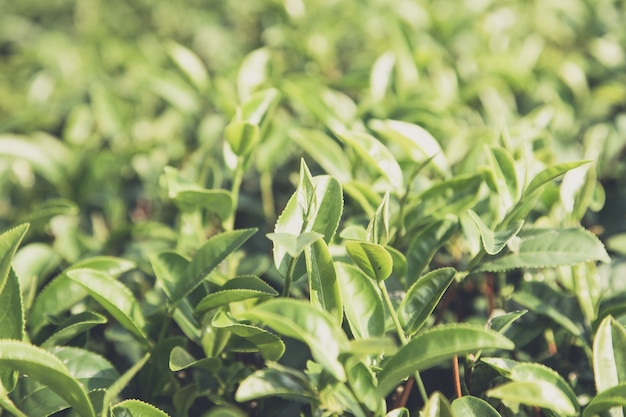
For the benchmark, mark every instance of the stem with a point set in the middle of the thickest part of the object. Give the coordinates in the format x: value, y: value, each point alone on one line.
x: 401, y: 335
x: 457, y: 376
x: 267, y: 195
x: 289, y: 277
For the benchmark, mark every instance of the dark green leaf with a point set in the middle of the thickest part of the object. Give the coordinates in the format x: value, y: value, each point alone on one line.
x: 116, y: 388
x: 502, y: 322
x: 426, y: 243
x: 539, y: 306
x: 435, y: 346
x: 276, y: 380
x: 136, y: 408
x: 180, y: 359
x: 422, y: 298
x: 73, y: 326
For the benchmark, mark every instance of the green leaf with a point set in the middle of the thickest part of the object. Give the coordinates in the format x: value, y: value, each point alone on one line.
x: 364, y: 311
x: 399, y: 412
x: 494, y: 242
x: 617, y: 243
x: 208, y: 257
x: 426, y: 243
x: 114, y: 297
x: 540, y: 306
x: 48, y: 370
x: 136, y: 408
x: 505, y: 180
x: 363, y: 384
x: 293, y: 244
x: 437, y: 406
x: 378, y: 228
x: 606, y: 400
x: 502, y: 322
x: 304, y: 322
x: 323, y: 286
x: 236, y: 289
x: 371, y: 258
x: 549, y: 174
x: 91, y: 370
x: 276, y: 380
x: 609, y: 357
x: 270, y: 345
x: 242, y: 137
x: 259, y: 108
x: 418, y: 143
x: 33, y: 263
x: 62, y: 292
x: 190, y: 64
x: 435, y: 346
x: 73, y: 326
x: 189, y: 196
x: 169, y: 269
x: 11, y: 322
x: 469, y: 406
x: 376, y: 156
x: 9, y: 242
x: 116, y: 388
x: 547, y: 248
x: 535, y: 372
x: 180, y: 359
x: 422, y: 298
x: 454, y: 196
x: 325, y: 151
x: 535, y: 393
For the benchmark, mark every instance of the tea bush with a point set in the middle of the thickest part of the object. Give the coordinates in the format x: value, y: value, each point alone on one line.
x: 279, y: 208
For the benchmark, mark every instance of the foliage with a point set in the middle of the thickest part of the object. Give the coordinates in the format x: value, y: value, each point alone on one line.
x: 277, y: 208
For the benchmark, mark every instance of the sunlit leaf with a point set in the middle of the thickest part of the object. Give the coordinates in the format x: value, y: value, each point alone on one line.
x: 180, y: 359
x: 234, y: 290
x: 276, y: 380
x: 323, y: 286
x: 469, y: 406
x: 371, y: 258
x: 435, y: 346
x: 609, y: 357
x: 607, y: 400
x: 437, y: 406
x: 136, y: 408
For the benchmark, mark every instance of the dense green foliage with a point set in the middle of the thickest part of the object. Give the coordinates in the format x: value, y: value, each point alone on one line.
x: 316, y: 208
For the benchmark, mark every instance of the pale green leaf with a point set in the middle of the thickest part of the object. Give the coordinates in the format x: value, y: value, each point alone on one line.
x: 189, y: 196
x: 325, y: 151
x: 549, y: 174
x: 606, y: 401
x: 116, y: 388
x: 535, y: 393
x: 609, y: 357
x: 375, y: 155
x: 180, y: 359
x: 294, y: 244
x: 9, y: 242
x: 435, y: 346
x: 73, y: 326
x: 48, y: 370
x: 371, y: 258
x: 436, y: 406
x: 190, y: 64
x: 378, y: 228
x: 422, y: 298
x: 242, y: 137
x: 502, y: 322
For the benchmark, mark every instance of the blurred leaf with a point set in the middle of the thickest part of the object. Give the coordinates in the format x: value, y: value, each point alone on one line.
x: 426, y: 243
x: 304, y: 322
x: 502, y: 322
x: 325, y: 151
x: 363, y: 385
x: 422, y: 298
x: 294, y: 244
x: 434, y: 346
x: 436, y: 406
x: 190, y: 196
x: 253, y: 72
x: 617, y: 243
x: 364, y: 306
x: 190, y: 64
x: 242, y: 137
x: 545, y: 248
x: 549, y: 174
x: 376, y: 156
x: 116, y: 388
x: 11, y: 322
x: 46, y: 369
x: 609, y: 357
x: 546, y: 308
x: 371, y: 258
x: 399, y: 412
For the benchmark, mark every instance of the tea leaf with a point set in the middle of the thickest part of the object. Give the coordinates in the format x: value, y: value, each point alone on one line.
x: 236, y: 289
x: 136, y: 408
x: 276, y: 380
x: 609, y: 358
x: 9, y: 242
x: 437, y: 406
x: 325, y: 151
x: 545, y: 248
x: 433, y: 347
x: 422, y: 298
x: 375, y: 155
x: 180, y: 359
x: 364, y: 311
x: 426, y: 243
x: 549, y: 174
x: 190, y: 64
x: 493, y: 243
x: 469, y: 406
x: 373, y: 259
x: 48, y: 370
x: 294, y: 244
x: 73, y: 326
x: 535, y: 393
x: 114, y: 297
x: 304, y: 322
x: 116, y: 388
x: 11, y: 322
x: 535, y: 372
x: 323, y: 286
x: 606, y: 400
